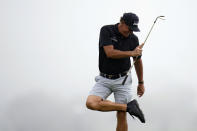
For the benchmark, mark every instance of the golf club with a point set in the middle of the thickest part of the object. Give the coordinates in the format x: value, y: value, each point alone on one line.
x: 159, y: 17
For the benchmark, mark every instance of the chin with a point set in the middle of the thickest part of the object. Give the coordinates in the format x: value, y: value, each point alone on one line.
x: 126, y: 34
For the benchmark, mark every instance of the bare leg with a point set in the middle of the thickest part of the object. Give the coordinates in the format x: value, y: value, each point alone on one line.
x: 96, y: 103
x: 121, y: 121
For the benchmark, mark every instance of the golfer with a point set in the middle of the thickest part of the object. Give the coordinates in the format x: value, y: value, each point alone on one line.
x: 117, y: 43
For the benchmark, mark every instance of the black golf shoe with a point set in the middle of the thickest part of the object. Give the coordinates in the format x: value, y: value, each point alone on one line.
x: 134, y: 110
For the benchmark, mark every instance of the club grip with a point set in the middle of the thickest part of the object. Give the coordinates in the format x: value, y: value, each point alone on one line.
x: 124, y: 80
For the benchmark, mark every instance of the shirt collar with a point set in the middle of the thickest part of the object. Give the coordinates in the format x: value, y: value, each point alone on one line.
x: 116, y: 30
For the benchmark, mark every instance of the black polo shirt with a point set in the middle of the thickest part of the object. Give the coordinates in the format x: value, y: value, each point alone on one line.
x: 109, y: 35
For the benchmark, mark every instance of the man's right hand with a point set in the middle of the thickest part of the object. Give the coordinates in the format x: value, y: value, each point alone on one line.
x: 138, y: 50
x: 141, y: 46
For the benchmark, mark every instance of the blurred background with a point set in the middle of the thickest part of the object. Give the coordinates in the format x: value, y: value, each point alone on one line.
x: 49, y: 58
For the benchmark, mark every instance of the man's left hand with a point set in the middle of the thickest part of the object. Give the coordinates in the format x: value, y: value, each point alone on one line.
x: 140, y: 90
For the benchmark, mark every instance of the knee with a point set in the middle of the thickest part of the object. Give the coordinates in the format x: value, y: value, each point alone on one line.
x: 93, y: 102
x: 89, y: 104
x: 92, y: 105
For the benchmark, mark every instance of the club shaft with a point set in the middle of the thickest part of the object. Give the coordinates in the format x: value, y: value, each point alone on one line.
x: 138, y: 56
x: 149, y: 32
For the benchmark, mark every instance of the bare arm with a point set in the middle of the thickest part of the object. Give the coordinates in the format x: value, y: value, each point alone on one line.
x: 117, y: 54
x: 139, y: 72
x: 139, y: 69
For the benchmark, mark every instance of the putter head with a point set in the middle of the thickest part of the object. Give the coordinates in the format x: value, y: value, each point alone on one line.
x: 159, y: 17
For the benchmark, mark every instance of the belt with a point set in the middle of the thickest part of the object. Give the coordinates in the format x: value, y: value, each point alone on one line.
x: 115, y: 76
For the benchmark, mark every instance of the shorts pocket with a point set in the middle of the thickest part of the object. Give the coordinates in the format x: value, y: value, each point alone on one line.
x: 129, y: 79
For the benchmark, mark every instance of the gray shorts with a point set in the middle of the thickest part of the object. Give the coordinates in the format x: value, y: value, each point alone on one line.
x: 105, y: 87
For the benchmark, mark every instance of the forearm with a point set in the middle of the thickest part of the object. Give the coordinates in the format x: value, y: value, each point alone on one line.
x: 117, y: 54
x: 139, y: 69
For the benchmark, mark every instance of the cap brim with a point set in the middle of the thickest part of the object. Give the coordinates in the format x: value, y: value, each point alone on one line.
x: 135, y: 28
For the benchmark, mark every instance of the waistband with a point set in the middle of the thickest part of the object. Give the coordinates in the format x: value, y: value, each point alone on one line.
x: 115, y: 76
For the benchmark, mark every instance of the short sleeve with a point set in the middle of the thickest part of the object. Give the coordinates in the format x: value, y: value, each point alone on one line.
x: 137, y: 44
x: 104, y: 38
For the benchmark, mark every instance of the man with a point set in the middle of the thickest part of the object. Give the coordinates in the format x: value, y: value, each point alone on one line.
x: 117, y: 44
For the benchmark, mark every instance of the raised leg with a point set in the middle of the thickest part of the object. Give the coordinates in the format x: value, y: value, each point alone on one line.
x: 97, y: 103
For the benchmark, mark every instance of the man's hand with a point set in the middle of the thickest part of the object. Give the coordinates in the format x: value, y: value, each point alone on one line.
x: 140, y: 90
x: 141, y: 46
x: 138, y: 50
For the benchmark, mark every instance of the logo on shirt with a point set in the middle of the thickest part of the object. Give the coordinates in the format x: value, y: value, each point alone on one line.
x: 114, y: 39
